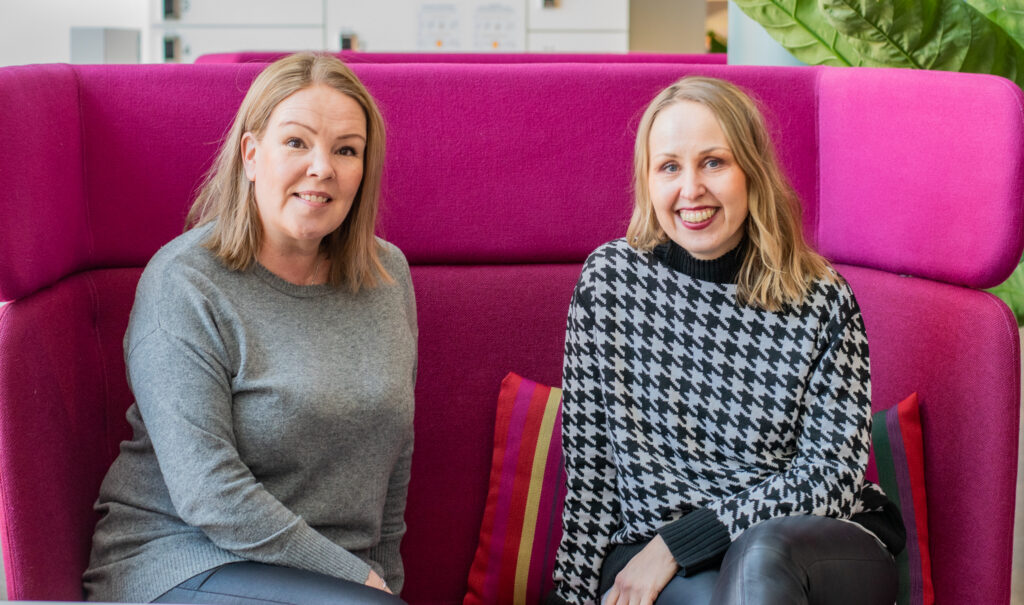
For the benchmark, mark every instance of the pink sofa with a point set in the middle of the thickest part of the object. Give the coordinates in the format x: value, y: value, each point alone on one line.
x: 350, y: 56
x: 499, y: 182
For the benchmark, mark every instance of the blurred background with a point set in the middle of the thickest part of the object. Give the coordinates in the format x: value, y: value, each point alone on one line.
x: 158, y: 31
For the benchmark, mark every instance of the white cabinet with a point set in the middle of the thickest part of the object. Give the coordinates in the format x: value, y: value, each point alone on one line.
x: 182, y: 44
x: 578, y: 15
x: 577, y: 42
x: 414, y: 25
x: 182, y: 30
x: 578, y: 26
x: 237, y: 12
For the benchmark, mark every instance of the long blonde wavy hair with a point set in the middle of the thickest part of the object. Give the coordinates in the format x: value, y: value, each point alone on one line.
x: 779, y: 265
x: 226, y: 196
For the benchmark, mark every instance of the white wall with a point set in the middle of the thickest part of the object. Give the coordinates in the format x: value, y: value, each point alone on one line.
x: 39, y: 31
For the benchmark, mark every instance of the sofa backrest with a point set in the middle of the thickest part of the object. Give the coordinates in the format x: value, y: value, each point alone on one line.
x: 500, y: 179
x: 350, y: 56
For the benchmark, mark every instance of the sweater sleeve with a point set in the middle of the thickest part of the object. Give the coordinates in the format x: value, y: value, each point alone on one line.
x: 393, y: 526
x: 591, y: 511
x: 827, y: 469
x: 180, y: 372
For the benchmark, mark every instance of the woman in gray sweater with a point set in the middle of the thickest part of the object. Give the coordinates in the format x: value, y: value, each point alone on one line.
x: 272, y: 354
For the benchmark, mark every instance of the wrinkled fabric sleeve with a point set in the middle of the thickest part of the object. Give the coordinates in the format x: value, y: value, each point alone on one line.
x: 393, y: 526
x: 827, y: 471
x: 591, y: 510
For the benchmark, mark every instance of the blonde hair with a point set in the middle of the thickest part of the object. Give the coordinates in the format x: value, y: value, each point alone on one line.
x: 779, y: 265
x: 226, y: 196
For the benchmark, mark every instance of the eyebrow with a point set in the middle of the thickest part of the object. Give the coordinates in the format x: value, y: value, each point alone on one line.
x: 354, y: 135
x: 701, y: 152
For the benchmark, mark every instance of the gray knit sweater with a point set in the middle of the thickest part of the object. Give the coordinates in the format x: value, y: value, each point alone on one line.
x: 272, y: 423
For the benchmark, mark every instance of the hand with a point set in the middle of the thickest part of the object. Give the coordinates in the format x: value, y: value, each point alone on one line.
x: 645, y: 576
x: 375, y: 581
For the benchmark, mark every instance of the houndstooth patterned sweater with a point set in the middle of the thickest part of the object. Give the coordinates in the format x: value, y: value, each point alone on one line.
x: 691, y: 416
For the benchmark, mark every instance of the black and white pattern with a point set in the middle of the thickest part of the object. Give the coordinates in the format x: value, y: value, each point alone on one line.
x: 678, y: 399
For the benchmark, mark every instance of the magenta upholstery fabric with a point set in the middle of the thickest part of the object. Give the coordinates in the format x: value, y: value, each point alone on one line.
x: 500, y: 179
x: 861, y: 185
x: 504, y: 317
x: 41, y: 160
x: 62, y: 400
x: 432, y: 57
x: 537, y: 170
x: 958, y: 349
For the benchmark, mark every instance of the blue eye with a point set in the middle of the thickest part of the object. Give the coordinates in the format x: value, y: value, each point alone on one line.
x: 713, y: 163
x: 670, y: 167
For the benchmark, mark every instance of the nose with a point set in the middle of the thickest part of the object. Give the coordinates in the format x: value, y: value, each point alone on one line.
x: 691, y: 186
x: 320, y: 165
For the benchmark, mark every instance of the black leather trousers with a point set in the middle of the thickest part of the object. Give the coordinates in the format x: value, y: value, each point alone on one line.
x: 249, y: 583
x: 805, y: 560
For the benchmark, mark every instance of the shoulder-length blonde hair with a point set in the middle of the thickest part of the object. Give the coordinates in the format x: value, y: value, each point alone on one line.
x: 226, y: 196
x: 779, y: 265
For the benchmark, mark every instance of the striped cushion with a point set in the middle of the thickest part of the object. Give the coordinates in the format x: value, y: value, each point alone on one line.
x: 899, y: 458
x: 522, y: 522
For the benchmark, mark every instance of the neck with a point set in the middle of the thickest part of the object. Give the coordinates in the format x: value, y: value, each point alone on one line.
x: 721, y: 270
x: 299, y: 268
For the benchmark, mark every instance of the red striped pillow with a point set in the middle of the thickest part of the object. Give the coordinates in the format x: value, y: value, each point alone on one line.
x: 522, y: 522
x: 899, y: 459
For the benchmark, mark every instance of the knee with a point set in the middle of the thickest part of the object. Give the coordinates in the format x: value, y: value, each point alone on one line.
x: 768, y: 547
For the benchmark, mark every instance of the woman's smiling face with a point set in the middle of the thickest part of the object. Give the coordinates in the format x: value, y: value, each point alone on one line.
x: 698, y: 191
x: 307, y: 166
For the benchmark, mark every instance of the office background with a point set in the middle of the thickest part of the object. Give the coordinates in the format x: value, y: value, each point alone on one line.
x: 94, y: 31
x: 153, y: 31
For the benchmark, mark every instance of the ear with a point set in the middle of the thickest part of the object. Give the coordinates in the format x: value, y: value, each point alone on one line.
x: 248, y: 148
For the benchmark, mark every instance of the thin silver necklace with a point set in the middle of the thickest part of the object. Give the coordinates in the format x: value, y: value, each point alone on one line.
x: 316, y: 267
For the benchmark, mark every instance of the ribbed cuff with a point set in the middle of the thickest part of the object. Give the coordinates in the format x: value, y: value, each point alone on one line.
x: 312, y: 551
x: 882, y: 518
x: 695, y: 539
x: 390, y: 559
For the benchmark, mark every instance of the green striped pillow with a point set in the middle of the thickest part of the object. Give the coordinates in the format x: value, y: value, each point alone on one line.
x: 899, y: 459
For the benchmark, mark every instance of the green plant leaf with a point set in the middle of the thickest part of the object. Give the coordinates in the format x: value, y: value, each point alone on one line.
x: 1011, y: 292
x: 900, y: 33
x: 1007, y: 15
x: 993, y: 53
x: 800, y: 27
x: 946, y: 35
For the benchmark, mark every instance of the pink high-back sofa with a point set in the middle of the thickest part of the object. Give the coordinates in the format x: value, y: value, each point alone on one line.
x: 499, y: 181
x: 350, y: 56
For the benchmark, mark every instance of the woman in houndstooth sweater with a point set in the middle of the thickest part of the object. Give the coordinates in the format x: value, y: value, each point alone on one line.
x: 717, y: 388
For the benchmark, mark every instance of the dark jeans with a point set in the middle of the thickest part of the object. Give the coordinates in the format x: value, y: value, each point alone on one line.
x: 249, y: 583
x: 805, y: 560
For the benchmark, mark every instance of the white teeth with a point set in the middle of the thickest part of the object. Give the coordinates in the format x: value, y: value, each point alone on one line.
x: 319, y: 199
x: 697, y: 216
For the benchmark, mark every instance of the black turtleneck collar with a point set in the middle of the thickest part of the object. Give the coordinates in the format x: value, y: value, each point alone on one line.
x: 721, y: 270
